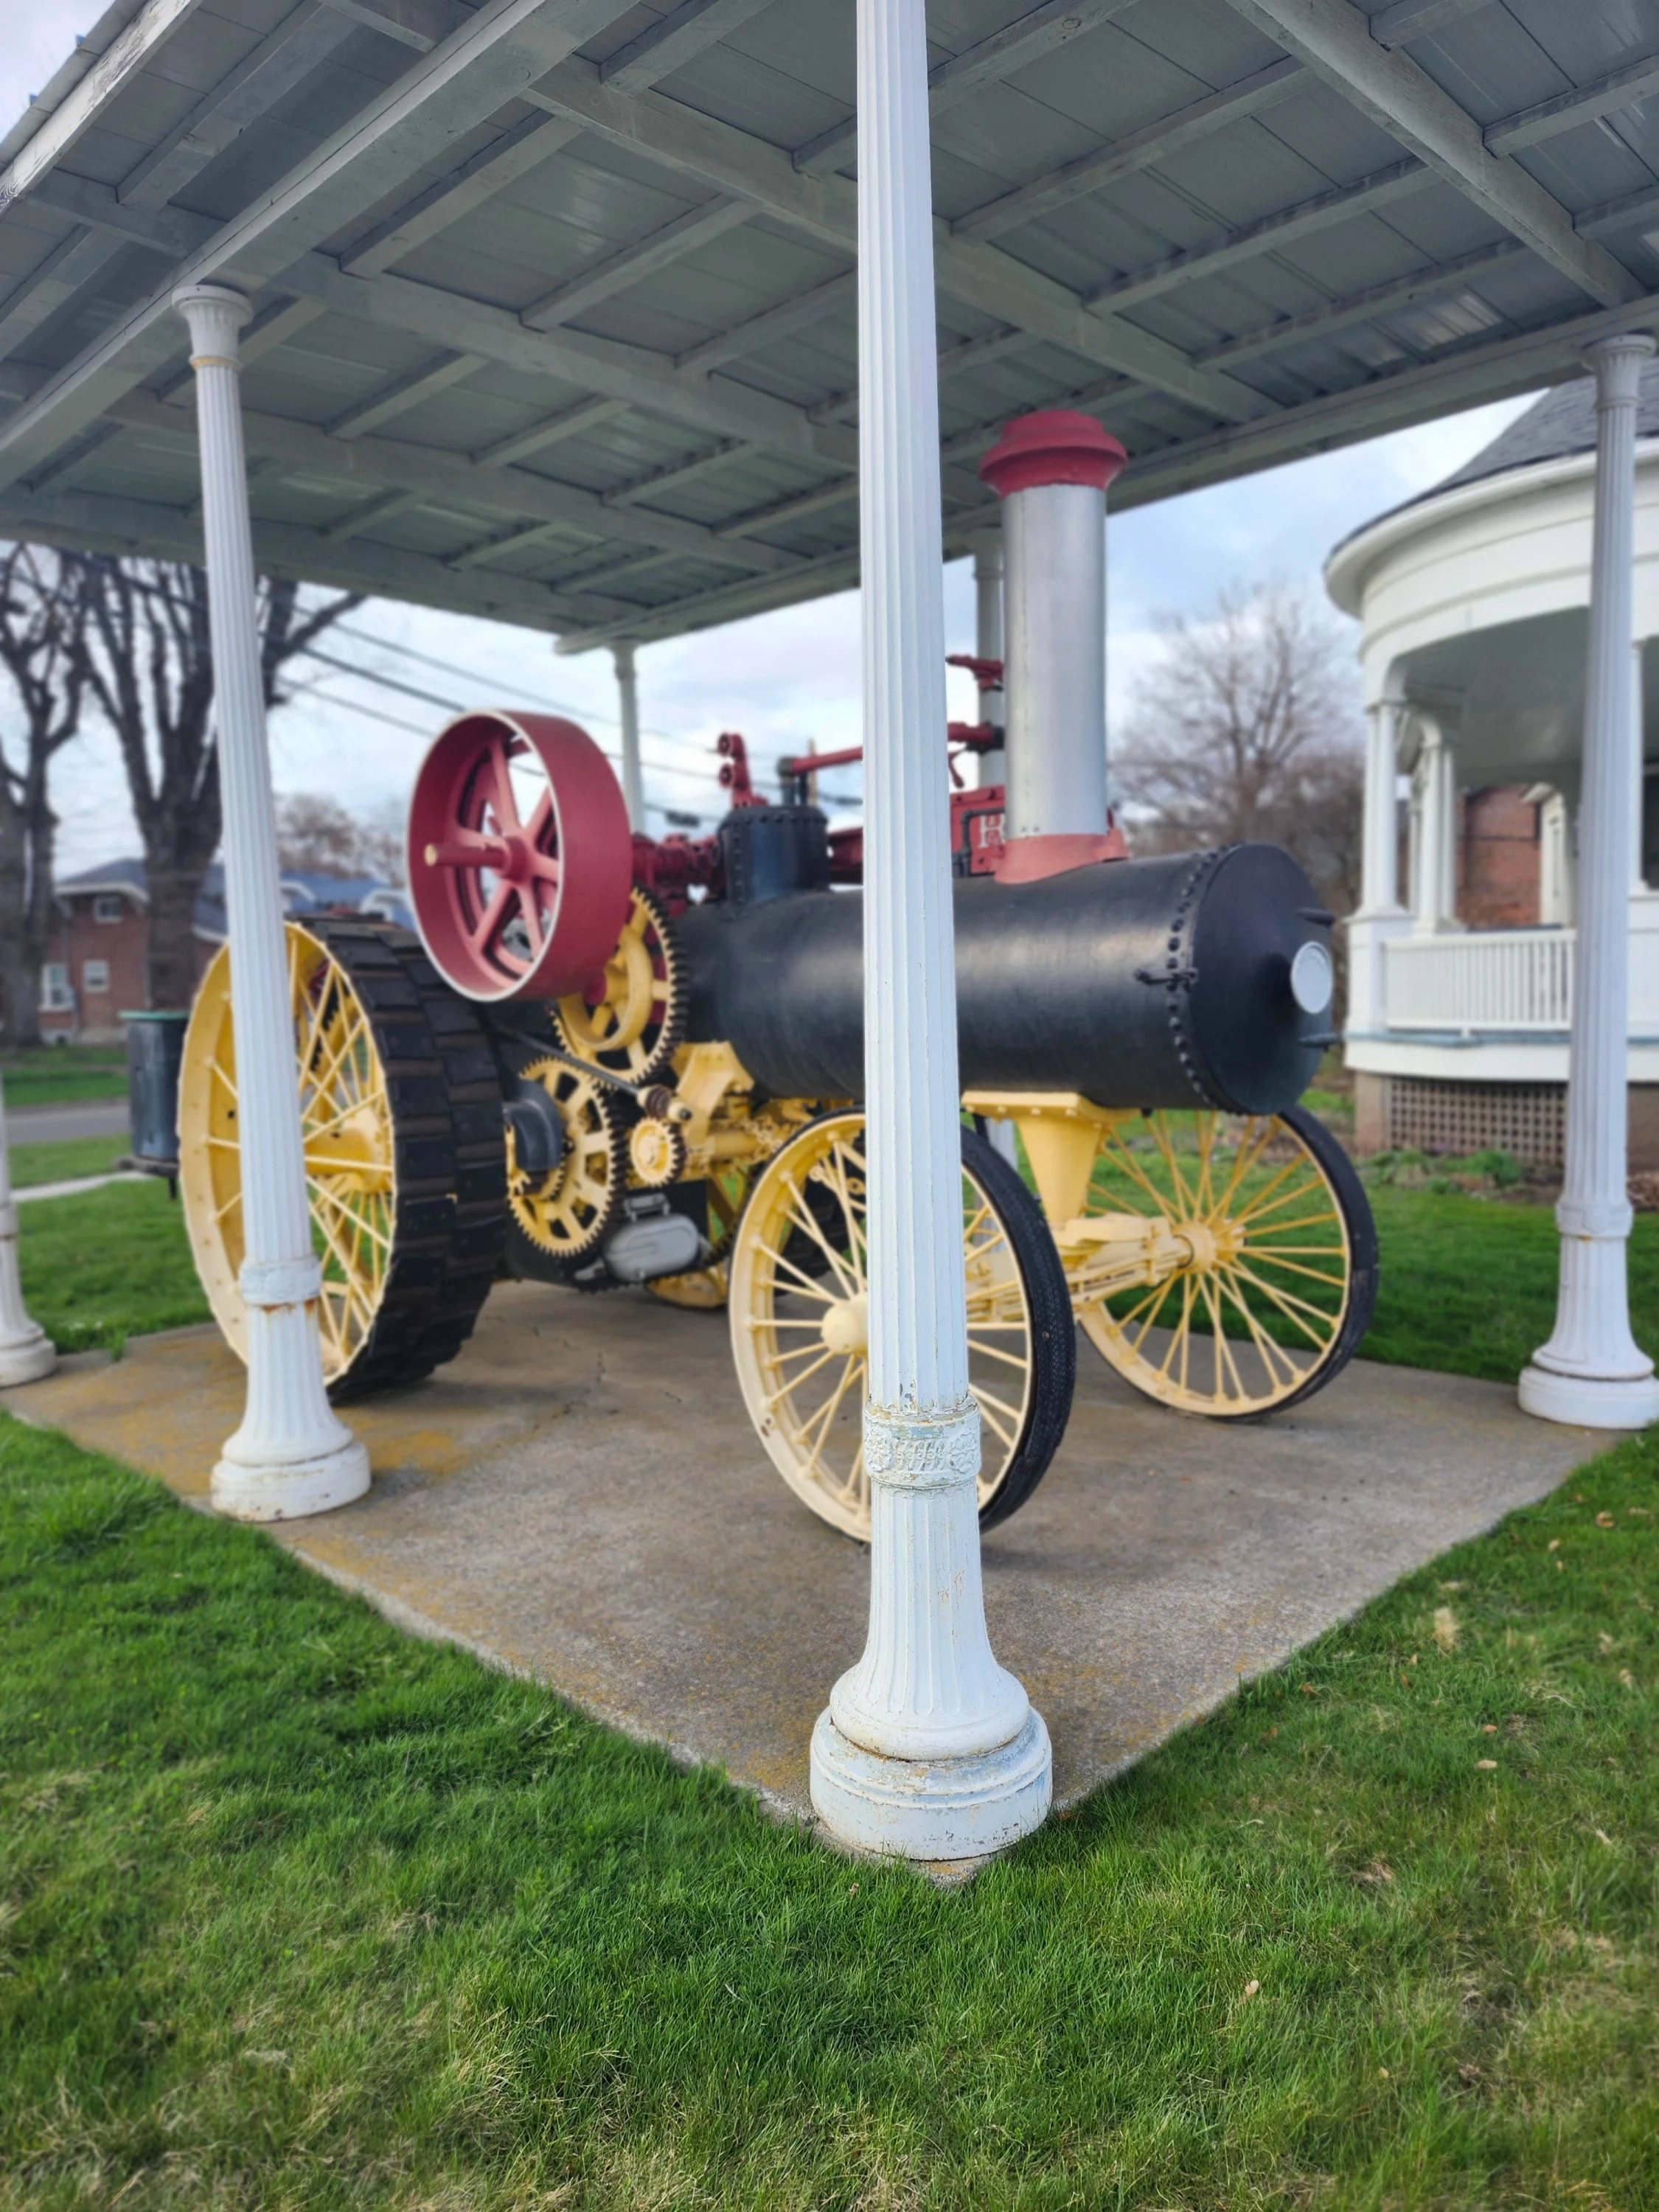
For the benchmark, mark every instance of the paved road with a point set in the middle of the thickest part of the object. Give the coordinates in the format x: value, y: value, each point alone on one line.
x: 51, y: 1125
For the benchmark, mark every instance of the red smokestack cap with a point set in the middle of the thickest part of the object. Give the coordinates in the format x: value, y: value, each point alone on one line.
x: 1057, y: 447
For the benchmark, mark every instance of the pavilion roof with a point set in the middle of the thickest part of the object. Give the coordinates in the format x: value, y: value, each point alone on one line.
x: 555, y: 298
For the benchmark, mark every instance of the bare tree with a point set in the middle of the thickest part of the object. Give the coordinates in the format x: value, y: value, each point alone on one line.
x: 42, y: 621
x: 318, y: 835
x: 1249, y: 727
x: 149, y: 662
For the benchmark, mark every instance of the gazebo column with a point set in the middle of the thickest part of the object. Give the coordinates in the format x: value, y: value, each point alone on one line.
x: 988, y: 646
x: 1591, y: 1372
x: 27, y: 1352
x: 291, y: 1455
x: 633, y: 774
x: 1380, y: 914
x: 929, y: 1750
x: 1434, y: 891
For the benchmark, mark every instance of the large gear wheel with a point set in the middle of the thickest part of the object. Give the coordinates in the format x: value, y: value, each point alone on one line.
x: 633, y: 1026
x: 562, y: 1218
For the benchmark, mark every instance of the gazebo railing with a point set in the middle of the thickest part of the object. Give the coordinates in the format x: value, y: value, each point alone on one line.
x: 1509, y: 980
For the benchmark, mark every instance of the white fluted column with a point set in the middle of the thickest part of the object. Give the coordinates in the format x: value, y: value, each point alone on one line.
x: 929, y: 1749
x: 988, y: 646
x: 27, y: 1352
x: 1434, y: 895
x: 1591, y: 1371
x: 291, y: 1455
x: 633, y: 774
x: 1380, y: 914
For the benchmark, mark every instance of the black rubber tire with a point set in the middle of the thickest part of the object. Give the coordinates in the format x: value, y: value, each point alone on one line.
x: 1054, y: 1332
x: 449, y: 1148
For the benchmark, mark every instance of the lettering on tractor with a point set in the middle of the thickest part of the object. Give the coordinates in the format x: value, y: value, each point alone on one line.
x: 609, y: 1060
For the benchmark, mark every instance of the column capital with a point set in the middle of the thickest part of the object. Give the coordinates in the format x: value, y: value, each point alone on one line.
x: 1616, y: 364
x: 216, y: 314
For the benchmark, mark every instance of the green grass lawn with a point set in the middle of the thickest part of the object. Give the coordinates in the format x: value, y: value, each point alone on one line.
x: 56, y: 1074
x: 1468, y: 1284
x: 108, y: 1264
x: 301, y: 1912
x: 66, y: 1158
x: 297, y: 1912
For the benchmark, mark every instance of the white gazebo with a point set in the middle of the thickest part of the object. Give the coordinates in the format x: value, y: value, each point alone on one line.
x: 617, y: 318
x: 1473, y: 602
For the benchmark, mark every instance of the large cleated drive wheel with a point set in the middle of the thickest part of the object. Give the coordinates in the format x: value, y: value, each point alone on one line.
x: 401, y: 1111
x: 799, y: 1315
x: 1276, y: 1280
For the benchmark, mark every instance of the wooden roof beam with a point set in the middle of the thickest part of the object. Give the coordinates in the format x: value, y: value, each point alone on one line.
x: 88, y: 520
x: 1621, y: 88
x: 1361, y: 306
x: 513, y: 154
x: 394, y: 465
x: 632, y: 264
x: 109, y: 76
x: 460, y: 83
x: 988, y: 62
x: 1135, y: 151
x: 674, y: 40
x: 1322, y: 212
x: 405, y: 392
x: 1333, y: 38
x: 980, y: 275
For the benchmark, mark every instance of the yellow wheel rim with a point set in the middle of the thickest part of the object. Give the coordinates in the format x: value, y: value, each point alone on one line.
x: 346, y: 1121
x: 799, y: 1315
x: 1258, y: 1303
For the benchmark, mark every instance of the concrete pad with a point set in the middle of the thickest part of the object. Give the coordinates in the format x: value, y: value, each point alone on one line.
x: 580, y: 1497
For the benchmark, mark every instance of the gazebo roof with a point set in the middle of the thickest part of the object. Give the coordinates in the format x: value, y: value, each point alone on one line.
x: 555, y: 298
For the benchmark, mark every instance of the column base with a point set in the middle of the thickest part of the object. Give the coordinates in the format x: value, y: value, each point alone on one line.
x: 932, y: 1810
x: 26, y: 1359
x: 275, y: 1492
x: 1589, y: 1402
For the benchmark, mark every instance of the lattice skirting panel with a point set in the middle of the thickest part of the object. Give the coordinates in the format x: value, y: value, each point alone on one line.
x: 1527, y: 1119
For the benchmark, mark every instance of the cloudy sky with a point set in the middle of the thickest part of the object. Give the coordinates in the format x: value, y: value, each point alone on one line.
x: 781, y: 679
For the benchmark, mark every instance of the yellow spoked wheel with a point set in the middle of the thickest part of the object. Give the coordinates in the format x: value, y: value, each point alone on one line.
x: 406, y: 1217
x: 799, y: 1312
x: 1270, y: 1272
x: 633, y: 1018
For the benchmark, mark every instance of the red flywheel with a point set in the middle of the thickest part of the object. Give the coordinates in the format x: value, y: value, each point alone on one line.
x: 520, y: 858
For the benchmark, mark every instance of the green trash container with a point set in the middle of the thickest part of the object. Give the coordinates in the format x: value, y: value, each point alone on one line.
x: 155, y: 1047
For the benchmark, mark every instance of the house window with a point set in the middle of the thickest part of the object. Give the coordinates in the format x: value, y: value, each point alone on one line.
x: 94, y: 975
x: 108, y: 906
x: 55, y: 997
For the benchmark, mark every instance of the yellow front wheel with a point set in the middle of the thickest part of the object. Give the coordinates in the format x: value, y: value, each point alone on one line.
x: 1277, y: 1279
x: 400, y: 1113
x: 799, y: 1316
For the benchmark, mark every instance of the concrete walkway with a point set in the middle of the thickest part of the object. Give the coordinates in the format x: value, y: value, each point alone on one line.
x: 580, y: 1498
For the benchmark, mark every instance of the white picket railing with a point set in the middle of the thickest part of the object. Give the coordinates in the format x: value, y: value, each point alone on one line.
x: 1512, y: 980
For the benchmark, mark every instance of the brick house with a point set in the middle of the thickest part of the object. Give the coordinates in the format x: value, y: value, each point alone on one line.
x: 94, y: 969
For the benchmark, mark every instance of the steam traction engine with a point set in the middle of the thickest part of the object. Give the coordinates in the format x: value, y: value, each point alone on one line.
x: 610, y: 1060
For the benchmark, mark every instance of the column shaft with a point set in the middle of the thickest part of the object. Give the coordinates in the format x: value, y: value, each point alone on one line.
x: 291, y: 1455
x: 1591, y: 1371
x: 1380, y: 878
x: 633, y: 774
x: 929, y: 1750
x: 27, y: 1352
